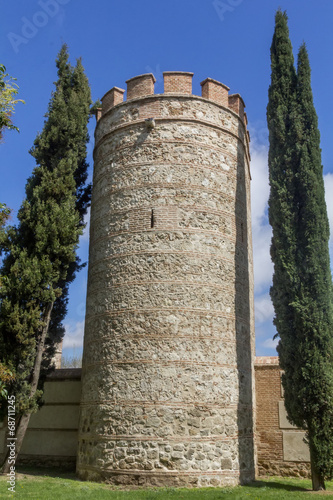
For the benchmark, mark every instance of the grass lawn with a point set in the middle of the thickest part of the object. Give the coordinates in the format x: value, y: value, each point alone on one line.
x: 47, y: 485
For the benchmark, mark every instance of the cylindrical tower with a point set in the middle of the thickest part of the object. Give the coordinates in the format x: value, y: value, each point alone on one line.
x: 167, y: 396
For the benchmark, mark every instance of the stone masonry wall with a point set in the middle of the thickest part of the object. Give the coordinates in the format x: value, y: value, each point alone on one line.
x: 168, y: 351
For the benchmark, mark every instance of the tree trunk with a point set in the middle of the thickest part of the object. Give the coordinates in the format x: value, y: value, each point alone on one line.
x: 318, y: 482
x: 25, y: 418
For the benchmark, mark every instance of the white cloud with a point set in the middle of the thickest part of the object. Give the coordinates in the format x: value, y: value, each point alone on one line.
x: 263, y: 267
x: 261, y: 230
x: 261, y: 235
x: 74, y: 334
x: 259, y: 183
x: 270, y: 343
x: 328, y: 180
x: 264, y: 310
x: 85, y: 236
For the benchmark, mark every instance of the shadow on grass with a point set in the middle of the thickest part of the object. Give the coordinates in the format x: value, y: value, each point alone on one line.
x: 276, y: 486
x: 61, y: 472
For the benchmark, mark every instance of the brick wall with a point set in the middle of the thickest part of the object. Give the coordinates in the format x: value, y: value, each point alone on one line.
x: 179, y: 82
x: 140, y: 86
x: 112, y: 98
x: 280, y: 446
x: 236, y: 103
x: 215, y: 91
x: 268, y: 394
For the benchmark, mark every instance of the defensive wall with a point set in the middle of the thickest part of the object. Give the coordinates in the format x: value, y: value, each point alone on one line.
x: 52, y: 436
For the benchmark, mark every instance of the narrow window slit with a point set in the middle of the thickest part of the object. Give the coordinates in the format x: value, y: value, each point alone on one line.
x: 152, y: 219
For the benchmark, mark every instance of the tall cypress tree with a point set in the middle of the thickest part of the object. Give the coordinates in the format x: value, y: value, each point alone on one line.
x: 302, y: 283
x: 311, y: 405
x: 41, y: 260
x: 282, y: 95
x: 66, y: 130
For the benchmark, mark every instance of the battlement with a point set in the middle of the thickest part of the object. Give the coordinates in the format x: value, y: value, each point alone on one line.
x: 175, y: 83
x: 112, y: 98
x: 215, y: 91
x: 140, y: 86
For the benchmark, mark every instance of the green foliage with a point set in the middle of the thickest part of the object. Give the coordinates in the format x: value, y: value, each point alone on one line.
x: 6, y: 378
x: 97, y: 104
x: 41, y: 251
x: 313, y: 303
x: 65, y: 133
x: 281, y: 216
x: 8, y: 91
x: 4, y: 216
x: 302, y: 283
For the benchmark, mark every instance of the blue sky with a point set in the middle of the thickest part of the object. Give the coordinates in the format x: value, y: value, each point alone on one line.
x: 228, y: 40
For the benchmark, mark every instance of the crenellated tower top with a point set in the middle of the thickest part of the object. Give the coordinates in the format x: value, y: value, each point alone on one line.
x: 177, y: 83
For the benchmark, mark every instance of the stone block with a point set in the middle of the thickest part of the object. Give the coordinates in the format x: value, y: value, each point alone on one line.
x: 283, y: 420
x: 294, y: 448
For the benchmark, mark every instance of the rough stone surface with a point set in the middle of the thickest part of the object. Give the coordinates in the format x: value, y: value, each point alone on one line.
x: 284, y: 469
x: 168, y: 353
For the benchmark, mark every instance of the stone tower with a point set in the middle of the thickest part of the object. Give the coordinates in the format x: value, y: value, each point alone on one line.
x: 167, y: 396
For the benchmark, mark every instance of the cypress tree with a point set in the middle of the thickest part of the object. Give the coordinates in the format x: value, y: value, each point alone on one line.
x: 65, y: 130
x: 302, y: 283
x: 282, y: 94
x: 311, y: 405
x: 41, y: 259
